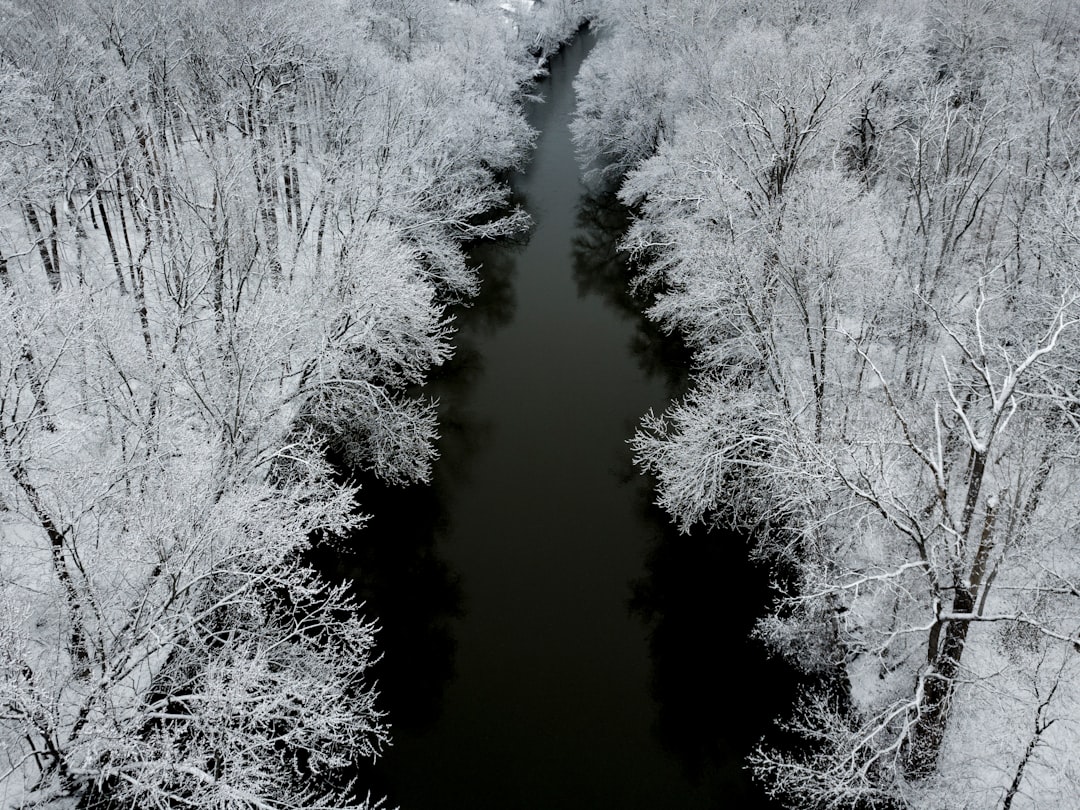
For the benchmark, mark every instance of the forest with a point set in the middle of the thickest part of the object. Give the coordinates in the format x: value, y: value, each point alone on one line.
x: 864, y: 219
x: 229, y: 232
x: 231, y: 235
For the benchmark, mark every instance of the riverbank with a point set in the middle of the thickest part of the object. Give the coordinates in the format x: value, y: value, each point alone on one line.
x: 853, y: 238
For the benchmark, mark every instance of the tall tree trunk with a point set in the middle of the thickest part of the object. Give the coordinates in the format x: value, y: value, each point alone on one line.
x: 265, y: 188
x: 27, y: 364
x: 292, y: 176
x: 92, y: 178
x: 125, y: 189
x: 77, y: 643
x: 219, y: 235
x: 54, y: 247
x: 52, y: 271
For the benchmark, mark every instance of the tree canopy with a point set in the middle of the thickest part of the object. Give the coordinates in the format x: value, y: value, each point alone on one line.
x: 229, y: 233
x: 863, y: 219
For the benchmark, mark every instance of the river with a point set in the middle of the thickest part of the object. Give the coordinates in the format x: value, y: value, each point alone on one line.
x: 549, y: 641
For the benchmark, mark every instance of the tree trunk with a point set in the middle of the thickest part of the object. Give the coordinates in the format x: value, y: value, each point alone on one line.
x: 943, y: 663
x: 26, y: 357
x: 92, y: 178
x: 80, y: 654
x: 219, y: 235
x: 265, y: 187
x: 291, y: 173
x: 54, y: 247
x: 52, y: 272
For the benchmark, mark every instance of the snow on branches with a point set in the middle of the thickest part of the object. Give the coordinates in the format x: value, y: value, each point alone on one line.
x: 228, y: 235
x: 863, y: 219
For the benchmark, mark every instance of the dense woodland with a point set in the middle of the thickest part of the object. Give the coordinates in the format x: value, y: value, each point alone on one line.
x: 229, y: 232
x: 864, y: 218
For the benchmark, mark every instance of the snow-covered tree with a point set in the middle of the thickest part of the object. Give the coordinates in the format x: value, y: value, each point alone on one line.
x: 228, y: 235
x: 864, y: 225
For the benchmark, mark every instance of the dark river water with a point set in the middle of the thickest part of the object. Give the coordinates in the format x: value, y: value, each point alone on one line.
x: 549, y: 641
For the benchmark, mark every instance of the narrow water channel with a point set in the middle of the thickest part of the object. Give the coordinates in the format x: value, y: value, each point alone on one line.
x: 548, y: 641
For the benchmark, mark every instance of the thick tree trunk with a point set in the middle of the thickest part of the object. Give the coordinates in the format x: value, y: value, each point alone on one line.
x: 943, y: 662
x: 294, y: 211
x: 37, y: 386
x: 54, y: 244
x: 924, y: 744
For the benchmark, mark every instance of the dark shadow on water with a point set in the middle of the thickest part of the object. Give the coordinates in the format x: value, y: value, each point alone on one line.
x: 394, y: 568
x: 495, y: 305
x: 602, y: 269
x: 392, y: 563
x: 717, y: 691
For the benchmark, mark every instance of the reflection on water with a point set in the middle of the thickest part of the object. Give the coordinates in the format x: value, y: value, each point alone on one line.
x: 601, y: 269
x: 393, y: 561
x: 494, y: 307
x: 715, y: 689
x: 402, y: 579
